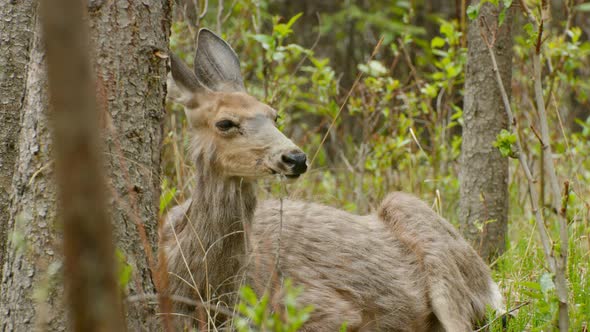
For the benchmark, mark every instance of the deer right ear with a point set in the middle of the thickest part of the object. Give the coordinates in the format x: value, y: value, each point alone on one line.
x: 216, y: 64
x: 182, y: 83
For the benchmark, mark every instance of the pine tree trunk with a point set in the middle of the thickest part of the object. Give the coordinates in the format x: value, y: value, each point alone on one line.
x: 131, y: 87
x: 484, y: 172
x: 32, y: 258
x: 16, y: 27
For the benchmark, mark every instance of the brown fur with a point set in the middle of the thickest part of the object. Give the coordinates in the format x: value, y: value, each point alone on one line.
x: 402, y: 269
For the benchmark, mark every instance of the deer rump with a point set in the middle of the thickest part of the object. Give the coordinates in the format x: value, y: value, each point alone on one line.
x: 403, y: 269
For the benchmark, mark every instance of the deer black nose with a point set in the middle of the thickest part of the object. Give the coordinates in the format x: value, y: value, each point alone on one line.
x: 296, y: 160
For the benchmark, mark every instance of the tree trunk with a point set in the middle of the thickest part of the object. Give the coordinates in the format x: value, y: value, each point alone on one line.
x: 131, y: 88
x: 31, y: 258
x: 131, y: 80
x: 484, y: 172
x: 16, y: 27
x: 92, y: 292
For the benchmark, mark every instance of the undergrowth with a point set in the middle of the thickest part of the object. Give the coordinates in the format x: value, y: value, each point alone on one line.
x: 400, y: 129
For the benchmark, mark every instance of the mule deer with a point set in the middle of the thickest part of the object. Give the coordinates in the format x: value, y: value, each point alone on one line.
x: 403, y: 268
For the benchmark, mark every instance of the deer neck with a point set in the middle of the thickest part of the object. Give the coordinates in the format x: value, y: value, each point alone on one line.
x: 221, y: 212
x: 222, y: 205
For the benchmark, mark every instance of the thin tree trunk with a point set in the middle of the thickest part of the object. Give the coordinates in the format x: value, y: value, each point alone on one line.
x: 16, y: 27
x: 93, y: 295
x: 484, y: 172
x: 130, y: 92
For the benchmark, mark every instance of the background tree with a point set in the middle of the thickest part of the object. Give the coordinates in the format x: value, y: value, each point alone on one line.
x: 130, y: 91
x: 484, y: 171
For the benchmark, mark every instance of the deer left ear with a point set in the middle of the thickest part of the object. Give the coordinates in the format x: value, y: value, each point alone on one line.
x: 216, y: 64
x: 182, y: 82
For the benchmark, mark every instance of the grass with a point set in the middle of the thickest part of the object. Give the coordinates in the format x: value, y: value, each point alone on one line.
x: 414, y: 147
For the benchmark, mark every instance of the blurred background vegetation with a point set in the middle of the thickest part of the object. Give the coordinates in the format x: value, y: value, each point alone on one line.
x: 373, y: 92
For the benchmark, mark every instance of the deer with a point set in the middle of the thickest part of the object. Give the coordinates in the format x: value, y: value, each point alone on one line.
x: 401, y: 268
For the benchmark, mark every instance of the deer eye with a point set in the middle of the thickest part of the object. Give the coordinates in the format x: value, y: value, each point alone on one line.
x: 225, y: 125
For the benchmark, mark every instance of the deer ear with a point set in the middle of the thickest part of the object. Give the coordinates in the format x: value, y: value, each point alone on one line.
x: 183, y: 76
x: 216, y: 64
x: 182, y: 82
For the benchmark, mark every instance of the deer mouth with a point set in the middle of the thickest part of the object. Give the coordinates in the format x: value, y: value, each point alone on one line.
x: 292, y: 176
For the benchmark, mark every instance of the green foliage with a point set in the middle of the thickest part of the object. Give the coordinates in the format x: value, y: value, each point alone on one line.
x: 258, y: 314
x: 583, y: 7
x: 505, y: 143
x: 124, y: 269
x: 473, y: 10
x: 166, y: 196
x: 400, y: 128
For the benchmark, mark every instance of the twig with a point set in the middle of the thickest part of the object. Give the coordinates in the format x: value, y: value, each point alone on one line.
x: 231, y: 9
x: 202, y: 13
x: 566, y: 196
x: 219, y: 16
x: 483, y: 328
x: 547, y: 153
x: 538, y: 136
x: 408, y: 59
x: 561, y: 261
x: 278, y: 253
x: 183, y: 300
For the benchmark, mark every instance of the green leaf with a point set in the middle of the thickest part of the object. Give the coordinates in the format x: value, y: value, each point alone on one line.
x: 472, y: 11
x: 437, y: 42
x: 278, y: 56
x: 373, y: 68
x: 166, y: 197
x: 265, y: 40
x: 504, y: 142
x: 343, y: 327
x: 293, y: 20
x: 502, y: 16
x: 124, y: 269
x: 531, y: 285
x: 585, y: 7
x: 546, y: 283
x: 248, y: 295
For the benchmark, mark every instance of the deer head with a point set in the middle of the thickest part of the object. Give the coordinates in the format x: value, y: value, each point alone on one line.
x: 234, y: 134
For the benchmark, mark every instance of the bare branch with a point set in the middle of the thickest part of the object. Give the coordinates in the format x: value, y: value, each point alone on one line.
x: 219, y: 16
x: 557, y: 265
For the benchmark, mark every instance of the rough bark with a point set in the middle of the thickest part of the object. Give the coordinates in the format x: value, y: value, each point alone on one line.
x: 31, y: 258
x: 15, y: 38
x: 484, y: 172
x: 130, y: 93
x: 131, y: 83
x: 92, y: 292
